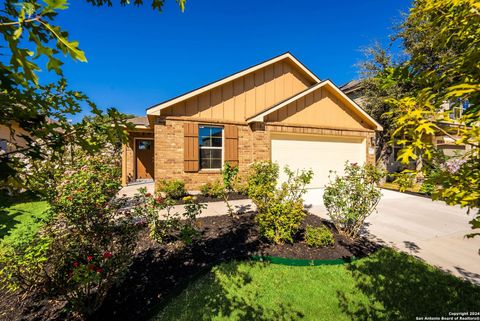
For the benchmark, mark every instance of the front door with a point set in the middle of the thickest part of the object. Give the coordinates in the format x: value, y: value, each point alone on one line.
x: 144, y: 151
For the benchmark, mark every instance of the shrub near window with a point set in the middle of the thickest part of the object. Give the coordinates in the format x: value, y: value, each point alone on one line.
x: 212, y: 189
x: 280, y: 210
x: 174, y: 188
x: 351, y: 198
x: 319, y: 236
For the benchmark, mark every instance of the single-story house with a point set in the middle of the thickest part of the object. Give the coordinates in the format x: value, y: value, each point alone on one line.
x: 277, y: 110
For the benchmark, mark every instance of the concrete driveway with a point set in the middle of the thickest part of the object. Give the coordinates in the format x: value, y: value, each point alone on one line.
x: 431, y: 231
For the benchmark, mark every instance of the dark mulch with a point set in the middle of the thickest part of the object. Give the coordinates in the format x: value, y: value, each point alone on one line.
x: 159, y: 272
x: 207, y: 199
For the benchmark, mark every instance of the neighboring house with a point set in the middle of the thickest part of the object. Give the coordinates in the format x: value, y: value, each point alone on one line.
x: 277, y: 110
x: 445, y: 143
x: 10, y: 140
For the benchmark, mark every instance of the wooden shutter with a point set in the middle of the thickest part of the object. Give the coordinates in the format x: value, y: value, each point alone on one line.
x: 231, y: 144
x: 190, y: 147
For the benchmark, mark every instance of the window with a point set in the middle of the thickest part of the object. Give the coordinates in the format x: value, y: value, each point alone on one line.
x: 210, y: 141
x: 144, y: 144
x: 3, y: 145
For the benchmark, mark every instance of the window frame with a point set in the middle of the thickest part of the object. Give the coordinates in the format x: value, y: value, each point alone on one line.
x: 200, y: 147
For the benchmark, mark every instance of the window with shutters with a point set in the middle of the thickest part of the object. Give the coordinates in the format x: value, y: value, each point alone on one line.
x: 210, y: 141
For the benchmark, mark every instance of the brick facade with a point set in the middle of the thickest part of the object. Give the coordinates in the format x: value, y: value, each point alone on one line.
x: 253, y: 145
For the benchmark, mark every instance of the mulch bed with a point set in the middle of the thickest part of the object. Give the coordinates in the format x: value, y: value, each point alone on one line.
x: 160, y: 271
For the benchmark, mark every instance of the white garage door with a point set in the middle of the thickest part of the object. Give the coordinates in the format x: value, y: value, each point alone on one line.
x: 321, y: 154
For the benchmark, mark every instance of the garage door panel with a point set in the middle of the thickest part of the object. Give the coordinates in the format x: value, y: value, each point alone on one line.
x: 321, y: 154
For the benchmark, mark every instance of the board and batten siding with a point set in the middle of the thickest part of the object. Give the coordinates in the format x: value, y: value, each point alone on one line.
x: 319, y: 108
x: 245, y: 96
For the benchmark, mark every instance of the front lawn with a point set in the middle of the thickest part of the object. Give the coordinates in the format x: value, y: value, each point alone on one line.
x: 386, y: 286
x: 20, y: 218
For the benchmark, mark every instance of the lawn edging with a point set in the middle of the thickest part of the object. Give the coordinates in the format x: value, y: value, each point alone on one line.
x: 301, y: 262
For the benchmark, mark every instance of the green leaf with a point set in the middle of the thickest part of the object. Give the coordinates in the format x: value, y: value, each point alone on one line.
x: 406, y: 154
x: 57, y: 4
x: 17, y: 33
x: 70, y: 47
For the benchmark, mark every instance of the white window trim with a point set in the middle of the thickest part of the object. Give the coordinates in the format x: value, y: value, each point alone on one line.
x: 211, y: 147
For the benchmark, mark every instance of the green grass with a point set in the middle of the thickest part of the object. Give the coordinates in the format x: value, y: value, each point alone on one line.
x: 20, y: 218
x: 387, y: 286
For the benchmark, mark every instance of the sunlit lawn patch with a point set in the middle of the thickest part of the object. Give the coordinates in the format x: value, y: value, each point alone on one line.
x: 387, y: 286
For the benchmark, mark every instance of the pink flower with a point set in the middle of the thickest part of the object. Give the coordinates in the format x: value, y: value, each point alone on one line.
x: 90, y: 257
x: 107, y: 255
x: 75, y: 264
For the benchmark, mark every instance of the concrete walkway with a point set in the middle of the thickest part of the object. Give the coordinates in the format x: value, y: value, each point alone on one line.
x: 431, y: 231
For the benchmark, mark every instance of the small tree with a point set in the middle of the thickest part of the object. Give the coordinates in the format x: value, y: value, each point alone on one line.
x: 351, y: 198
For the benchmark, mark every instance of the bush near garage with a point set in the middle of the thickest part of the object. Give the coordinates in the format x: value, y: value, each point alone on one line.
x: 280, y: 209
x: 351, y: 198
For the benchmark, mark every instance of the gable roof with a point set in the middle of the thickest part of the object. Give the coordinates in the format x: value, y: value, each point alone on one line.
x: 155, y: 110
x: 352, y: 85
x: 260, y: 116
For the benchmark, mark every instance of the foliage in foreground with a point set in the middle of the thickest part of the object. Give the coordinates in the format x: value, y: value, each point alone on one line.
x: 88, y: 245
x: 382, y: 287
x: 163, y: 222
x: 441, y: 39
x: 280, y: 209
x: 351, y: 198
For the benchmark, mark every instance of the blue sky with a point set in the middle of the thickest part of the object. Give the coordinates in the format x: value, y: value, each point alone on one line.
x: 138, y: 57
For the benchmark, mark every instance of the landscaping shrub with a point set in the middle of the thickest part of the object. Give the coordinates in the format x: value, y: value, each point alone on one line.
x: 174, y: 188
x: 374, y: 174
x: 262, y: 181
x: 351, y: 198
x: 404, y: 180
x: 87, y: 246
x: 229, y: 173
x: 240, y: 184
x: 280, y: 210
x: 171, y: 225
x: 427, y: 188
x: 212, y: 189
x: 319, y: 236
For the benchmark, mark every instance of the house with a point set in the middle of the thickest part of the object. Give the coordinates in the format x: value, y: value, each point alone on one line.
x: 442, y: 141
x: 12, y: 138
x: 277, y: 110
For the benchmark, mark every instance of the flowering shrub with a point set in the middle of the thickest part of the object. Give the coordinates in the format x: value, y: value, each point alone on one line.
x: 351, y: 198
x: 280, y: 210
x: 87, y: 246
x: 168, y: 224
x: 93, y: 240
x: 318, y: 236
